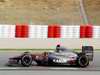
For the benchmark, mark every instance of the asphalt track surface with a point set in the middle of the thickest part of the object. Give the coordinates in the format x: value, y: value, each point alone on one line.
x: 4, y: 55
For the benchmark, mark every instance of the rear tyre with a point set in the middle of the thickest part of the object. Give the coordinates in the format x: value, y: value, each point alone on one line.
x: 83, y: 61
x: 26, y: 60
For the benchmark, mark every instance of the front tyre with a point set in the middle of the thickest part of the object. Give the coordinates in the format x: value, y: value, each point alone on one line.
x: 82, y: 61
x: 26, y: 60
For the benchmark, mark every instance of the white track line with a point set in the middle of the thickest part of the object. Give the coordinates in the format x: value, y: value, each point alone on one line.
x: 4, y: 68
x: 30, y: 68
x: 64, y: 68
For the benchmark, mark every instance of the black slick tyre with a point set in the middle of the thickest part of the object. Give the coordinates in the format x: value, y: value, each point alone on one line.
x: 26, y: 60
x: 82, y: 61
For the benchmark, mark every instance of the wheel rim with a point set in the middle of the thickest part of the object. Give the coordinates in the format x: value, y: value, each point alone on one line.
x: 26, y: 60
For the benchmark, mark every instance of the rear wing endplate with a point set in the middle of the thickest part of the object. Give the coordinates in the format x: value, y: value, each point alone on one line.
x: 89, y: 51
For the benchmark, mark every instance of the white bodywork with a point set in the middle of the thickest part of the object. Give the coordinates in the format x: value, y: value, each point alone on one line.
x: 63, y: 57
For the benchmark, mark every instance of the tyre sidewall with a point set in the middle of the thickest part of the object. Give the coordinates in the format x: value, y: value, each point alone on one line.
x: 79, y: 62
x: 30, y: 60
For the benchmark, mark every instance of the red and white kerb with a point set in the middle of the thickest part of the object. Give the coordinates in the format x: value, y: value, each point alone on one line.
x: 49, y: 31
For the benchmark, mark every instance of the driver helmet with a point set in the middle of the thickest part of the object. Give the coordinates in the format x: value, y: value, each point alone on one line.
x: 58, y: 48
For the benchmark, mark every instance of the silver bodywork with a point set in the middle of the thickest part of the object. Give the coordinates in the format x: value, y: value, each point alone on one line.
x: 64, y: 56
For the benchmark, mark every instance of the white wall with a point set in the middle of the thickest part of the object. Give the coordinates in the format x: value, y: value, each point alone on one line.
x: 48, y: 43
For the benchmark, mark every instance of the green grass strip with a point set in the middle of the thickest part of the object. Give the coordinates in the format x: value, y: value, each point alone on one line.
x: 26, y: 49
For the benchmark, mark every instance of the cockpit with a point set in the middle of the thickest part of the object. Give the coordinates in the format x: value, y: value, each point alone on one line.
x: 63, y: 49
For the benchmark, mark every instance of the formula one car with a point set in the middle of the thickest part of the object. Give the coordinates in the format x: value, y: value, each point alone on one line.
x: 63, y: 57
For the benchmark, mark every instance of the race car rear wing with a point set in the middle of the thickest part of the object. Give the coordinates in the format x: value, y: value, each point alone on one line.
x: 89, y: 51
